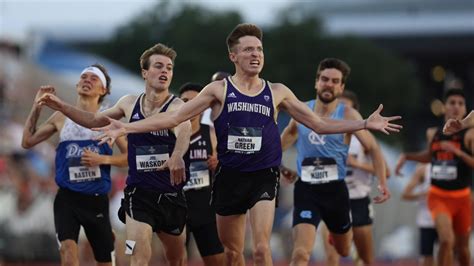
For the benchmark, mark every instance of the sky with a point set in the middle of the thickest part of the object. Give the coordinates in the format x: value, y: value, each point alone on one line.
x: 19, y: 17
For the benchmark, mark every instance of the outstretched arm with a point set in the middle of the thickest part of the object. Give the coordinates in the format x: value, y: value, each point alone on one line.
x: 81, y: 117
x: 303, y: 114
x: 163, y: 120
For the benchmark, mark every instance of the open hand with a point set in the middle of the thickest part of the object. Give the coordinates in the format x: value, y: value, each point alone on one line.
x: 382, y: 123
x: 111, y: 132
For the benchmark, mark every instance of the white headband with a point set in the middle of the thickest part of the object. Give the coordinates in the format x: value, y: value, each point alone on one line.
x: 97, y: 72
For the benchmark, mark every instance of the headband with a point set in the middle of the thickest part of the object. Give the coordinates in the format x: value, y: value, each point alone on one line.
x: 97, y: 72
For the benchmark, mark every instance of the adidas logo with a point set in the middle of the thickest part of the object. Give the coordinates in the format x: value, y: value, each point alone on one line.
x: 265, y: 196
x: 232, y: 95
x: 136, y: 116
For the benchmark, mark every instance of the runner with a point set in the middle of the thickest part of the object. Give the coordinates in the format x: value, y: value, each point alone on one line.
x: 244, y: 109
x: 359, y: 175
x: 417, y: 190
x: 449, y: 200
x: 321, y: 192
x: 154, y: 200
x: 82, y: 196
x: 201, y: 220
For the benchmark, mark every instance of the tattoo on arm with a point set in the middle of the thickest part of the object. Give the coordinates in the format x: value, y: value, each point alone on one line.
x: 34, y: 120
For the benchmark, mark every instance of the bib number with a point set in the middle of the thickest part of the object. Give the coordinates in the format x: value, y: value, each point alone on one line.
x: 317, y: 170
x: 150, y: 158
x: 246, y: 140
x: 200, y: 178
x: 444, y: 171
x: 81, y: 173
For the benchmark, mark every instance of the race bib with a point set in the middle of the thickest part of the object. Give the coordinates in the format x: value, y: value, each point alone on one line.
x: 316, y: 170
x: 81, y: 173
x: 245, y: 140
x: 444, y: 171
x: 199, y: 172
x: 150, y: 158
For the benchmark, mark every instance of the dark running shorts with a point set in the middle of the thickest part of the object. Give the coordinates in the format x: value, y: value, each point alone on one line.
x: 235, y: 192
x: 328, y: 201
x: 164, y: 212
x: 73, y: 210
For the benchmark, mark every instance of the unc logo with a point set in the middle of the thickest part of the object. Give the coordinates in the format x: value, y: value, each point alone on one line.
x: 306, y: 214
x: 316, y: 139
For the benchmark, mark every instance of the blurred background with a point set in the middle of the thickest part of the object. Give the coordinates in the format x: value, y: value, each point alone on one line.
x: 403, y: 53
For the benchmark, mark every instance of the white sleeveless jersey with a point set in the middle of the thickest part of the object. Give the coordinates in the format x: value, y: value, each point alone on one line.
x: 424, y: 218
x: 359, y: 182
x: 73, y: 131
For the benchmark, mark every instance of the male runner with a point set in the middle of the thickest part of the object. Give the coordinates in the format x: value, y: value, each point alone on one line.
x: 203, y: 162
x: 449, y: 201
x: 82, y: 196
x: 244, y: 109
x: 359, y: 175
x: 417, y: 190
x: 154, y: 201
x: 321, y: 192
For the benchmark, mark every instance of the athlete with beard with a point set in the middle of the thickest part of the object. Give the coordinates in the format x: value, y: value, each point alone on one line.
x: 244, y: 110
x: 321, y: 192
x: 154, y: 199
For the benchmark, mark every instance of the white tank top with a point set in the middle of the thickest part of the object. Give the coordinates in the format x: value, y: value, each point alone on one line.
x: 359, y: 182
x: 424, y: 218
x: 73, y: 131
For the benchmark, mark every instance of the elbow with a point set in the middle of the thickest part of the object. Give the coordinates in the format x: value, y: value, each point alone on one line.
x: 26, y: 145
x: 404, y: 196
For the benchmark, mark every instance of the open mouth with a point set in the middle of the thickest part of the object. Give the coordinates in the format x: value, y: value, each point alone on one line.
x: 163, y: 78
x: 255, y: 63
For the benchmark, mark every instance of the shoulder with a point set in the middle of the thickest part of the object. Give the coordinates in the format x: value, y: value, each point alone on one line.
x: 277, y: 87
x: 280, y: 92
x: 127, y: 99
x: 430, y: 132
x: 215, y: 85
x: 175, y: 104
x: 351, y: 113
